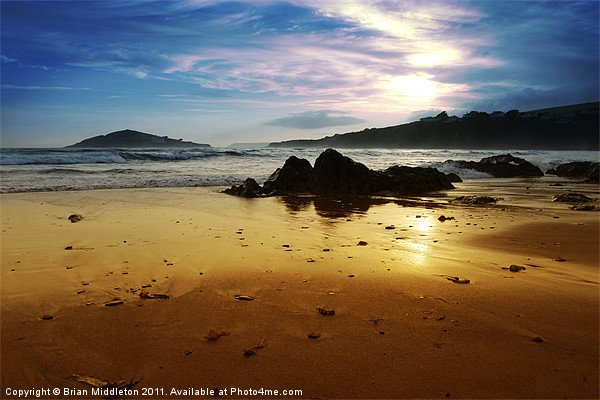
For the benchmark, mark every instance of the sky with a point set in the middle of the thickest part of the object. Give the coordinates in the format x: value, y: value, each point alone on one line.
x: 223, y: 72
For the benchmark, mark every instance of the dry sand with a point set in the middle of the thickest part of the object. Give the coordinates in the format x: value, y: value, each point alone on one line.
x: 401, y: 329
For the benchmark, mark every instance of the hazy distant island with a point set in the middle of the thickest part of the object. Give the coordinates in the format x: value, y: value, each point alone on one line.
x: 573, y: 127
x: 131, y: 138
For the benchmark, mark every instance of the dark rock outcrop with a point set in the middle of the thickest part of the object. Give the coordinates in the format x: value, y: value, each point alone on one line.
x: 335, y: 174
x: 591, y: 206
x: 338, y: 174
x: 250, y: 188
x: 409, y: 181
x: 502, y: 166
x: 475, y: 200
x: 571, y: 198
x: 587, y: 170
x: 454, y: 178
x: 293, y: 177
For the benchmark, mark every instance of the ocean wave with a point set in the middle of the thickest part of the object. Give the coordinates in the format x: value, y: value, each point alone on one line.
x: 58, y: 158
x: 180, y: 155
x: 113, y: 156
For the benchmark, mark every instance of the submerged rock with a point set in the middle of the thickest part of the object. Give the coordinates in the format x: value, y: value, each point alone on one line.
x: 476, y: 200
x: 586, y: 207
x: 502, y: 166
x: 571, y: 198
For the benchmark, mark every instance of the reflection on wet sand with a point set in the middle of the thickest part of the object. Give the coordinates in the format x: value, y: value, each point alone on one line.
x: 346, y: 206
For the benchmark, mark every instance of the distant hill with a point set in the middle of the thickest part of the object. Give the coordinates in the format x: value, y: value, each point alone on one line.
x: 574, y: 127
x: 130, y: 138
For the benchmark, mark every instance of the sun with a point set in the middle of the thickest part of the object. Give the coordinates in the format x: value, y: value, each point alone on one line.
x: 416, y: 88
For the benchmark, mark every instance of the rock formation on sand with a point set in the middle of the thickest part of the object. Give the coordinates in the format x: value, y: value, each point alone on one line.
x: 502, y: 166
x: 586, y: 170
x: 335, y: 174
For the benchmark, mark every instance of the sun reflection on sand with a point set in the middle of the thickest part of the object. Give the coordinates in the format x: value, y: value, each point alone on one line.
x: 423, y: 225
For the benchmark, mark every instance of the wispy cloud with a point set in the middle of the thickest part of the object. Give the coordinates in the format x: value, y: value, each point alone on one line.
x: 33, y: 87
x: 314, y: 120
x: 6, y: 59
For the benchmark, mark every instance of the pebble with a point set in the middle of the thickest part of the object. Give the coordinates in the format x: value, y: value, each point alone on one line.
x: 75, y: 218
x: 114, y: 302
x: 324, y: 311
x: 362, y: 243
x: 243, y: 297
x: 47, y: 317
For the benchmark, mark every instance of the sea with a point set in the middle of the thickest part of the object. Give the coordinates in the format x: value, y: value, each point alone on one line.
x: 60, y: 169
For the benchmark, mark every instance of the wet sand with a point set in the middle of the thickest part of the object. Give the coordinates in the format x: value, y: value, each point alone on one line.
x: 401, y: 329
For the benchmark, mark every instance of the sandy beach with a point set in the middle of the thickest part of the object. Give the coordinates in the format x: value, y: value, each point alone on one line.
x: 401, y: 328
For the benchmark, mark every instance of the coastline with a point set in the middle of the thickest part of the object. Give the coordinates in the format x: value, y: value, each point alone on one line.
x: 408, y: 330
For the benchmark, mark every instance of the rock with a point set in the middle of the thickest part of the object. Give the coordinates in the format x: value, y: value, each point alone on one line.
x: 571, y: 198
x: 537, y: 339
x: 362, y: 243
x: 243, y: 297
x: 476, y: 200
x: 337, y: 174
x: 452, y: 177
x: 69, y: 248
x: 75, y: 218
x: 161, y: 296
x: 46, y: 317
x: 114, y: 302
x: 502, y: 166
x: 314, y: 335
x: 247, y: 189
x: 293, y: 177
x: 516, y: 268
x: 585, y: 207
x: 409, y: 181
x: 214, y: 335
x: 587, y: 170
x: 324, y: 311
x: 443, y: 218
x: 456, y: 279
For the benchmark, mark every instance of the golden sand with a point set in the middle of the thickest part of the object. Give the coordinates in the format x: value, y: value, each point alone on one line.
x: 401, y: 328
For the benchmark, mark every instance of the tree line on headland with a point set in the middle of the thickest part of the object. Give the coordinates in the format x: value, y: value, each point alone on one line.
x: 573, y: 127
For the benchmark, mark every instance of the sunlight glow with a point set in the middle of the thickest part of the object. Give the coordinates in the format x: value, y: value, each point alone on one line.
x: 438, y: 58
x: 417, y: 87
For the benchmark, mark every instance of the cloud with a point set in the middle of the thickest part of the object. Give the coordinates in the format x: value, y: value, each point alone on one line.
x: 33, y: 87
x: 6, y: 59
x: 314, y: 120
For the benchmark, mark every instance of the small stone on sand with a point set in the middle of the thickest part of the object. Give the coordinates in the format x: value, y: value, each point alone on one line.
x: 114, y: 302
x: 47, y: 317
x: 362, y: 243
x: 456, y: 279
x: 75, y: 218
x: 324, y: 311
x: 243, y: 297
